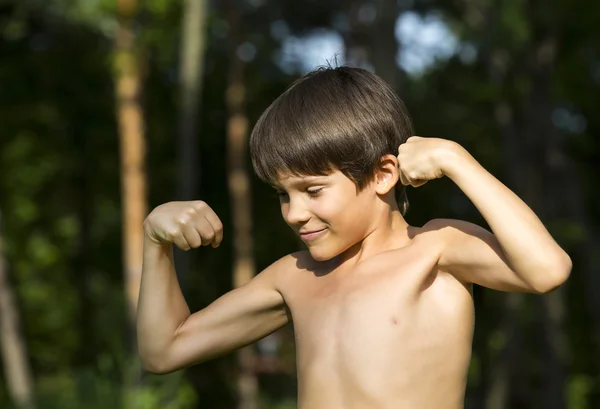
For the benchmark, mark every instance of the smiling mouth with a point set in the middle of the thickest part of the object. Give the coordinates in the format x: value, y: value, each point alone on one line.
x: 312, y: 235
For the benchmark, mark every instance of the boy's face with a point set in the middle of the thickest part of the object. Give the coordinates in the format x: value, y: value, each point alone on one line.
x: 327, y: 212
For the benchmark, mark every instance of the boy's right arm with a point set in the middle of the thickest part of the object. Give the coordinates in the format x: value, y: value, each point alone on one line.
x: 169, y: 337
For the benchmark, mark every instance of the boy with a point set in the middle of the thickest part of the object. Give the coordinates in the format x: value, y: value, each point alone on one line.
x: 382, y: 310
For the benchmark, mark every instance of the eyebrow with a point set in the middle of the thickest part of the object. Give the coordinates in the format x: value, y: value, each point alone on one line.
x: 305, y: 180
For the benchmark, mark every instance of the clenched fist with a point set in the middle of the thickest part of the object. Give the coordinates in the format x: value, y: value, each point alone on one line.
x: 422, y: 159
x: 186, y: 224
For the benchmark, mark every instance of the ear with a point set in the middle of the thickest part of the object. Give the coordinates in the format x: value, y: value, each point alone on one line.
x: 386, y: 174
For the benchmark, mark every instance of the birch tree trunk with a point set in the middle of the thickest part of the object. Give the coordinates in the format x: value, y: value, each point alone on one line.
x: 19, y: 381
x: 240, y: 198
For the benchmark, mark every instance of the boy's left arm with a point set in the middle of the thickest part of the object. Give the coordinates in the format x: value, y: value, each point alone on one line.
x: 520, y: 255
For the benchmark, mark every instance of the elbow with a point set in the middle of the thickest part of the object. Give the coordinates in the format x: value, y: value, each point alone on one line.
x: 154, y: 361
x: 151, y: 367
x: 154, y: 366
x: 554, y: 276
x: 154, y: 356
x: 160, y: 358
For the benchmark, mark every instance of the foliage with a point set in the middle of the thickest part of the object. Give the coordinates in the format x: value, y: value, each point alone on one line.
x: 59, y: 162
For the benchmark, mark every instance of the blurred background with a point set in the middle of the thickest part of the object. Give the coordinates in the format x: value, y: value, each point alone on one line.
x: 109, y: 108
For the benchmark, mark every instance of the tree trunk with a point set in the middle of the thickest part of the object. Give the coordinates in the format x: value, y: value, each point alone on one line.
x: 508, y: 383
x: 567, y: 201
x: 133, y: 152
x: 526, y: 170
x: 193, y: 38
x: 543, y: 134
x: 370, y: 39
x: 133, y: 176
x: 19, y: 381
x: 356, y: 37
x: 502, y: 365
x: 240, y: 198
x: 384, y: 46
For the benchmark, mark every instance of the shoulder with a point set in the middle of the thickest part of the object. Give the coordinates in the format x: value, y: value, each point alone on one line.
x: 288, y: 274
x: 452, y: 229
x: 453, y: 241
x: 285, y: 267
x: 453, y: 238
x: 438, y: 224
x: 299, y: 260
x: 463, y: 245
x: 435, y: 233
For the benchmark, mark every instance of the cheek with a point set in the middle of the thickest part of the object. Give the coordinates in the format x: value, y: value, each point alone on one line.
x: 355, y: 213
x: 343, y: 215
x: 329, y: 211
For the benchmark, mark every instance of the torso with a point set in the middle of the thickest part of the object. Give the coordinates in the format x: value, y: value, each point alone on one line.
x: 394, y: 332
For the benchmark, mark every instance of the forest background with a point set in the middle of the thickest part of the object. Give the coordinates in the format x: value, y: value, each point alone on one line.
x: 109, y: 108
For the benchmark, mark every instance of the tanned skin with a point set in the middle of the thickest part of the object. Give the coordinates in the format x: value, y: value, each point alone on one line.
x: 382, y: 311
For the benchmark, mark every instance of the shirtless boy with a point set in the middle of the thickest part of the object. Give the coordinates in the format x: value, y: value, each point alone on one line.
x: 382, y: 310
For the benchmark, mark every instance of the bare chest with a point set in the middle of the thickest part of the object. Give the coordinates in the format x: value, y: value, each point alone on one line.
x: 367, y: 333
x: 385, y: 304
x: 378, y: 297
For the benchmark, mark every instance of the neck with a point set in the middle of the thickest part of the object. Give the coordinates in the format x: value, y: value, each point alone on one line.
x: 388, y: 231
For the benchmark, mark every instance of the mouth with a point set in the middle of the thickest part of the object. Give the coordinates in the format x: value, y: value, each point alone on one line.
x: 311, y: 235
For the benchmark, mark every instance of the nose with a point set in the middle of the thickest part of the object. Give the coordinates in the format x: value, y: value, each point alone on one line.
x: 295, y: 212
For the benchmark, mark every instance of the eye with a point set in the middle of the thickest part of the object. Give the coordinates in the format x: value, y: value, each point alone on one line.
x: 314, y: 192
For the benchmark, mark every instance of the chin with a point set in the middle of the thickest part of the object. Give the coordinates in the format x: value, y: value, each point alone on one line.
x: 322, y: 254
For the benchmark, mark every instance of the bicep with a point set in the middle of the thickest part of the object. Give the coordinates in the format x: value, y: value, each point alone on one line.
x: 236, y: 319
x: 474, y: 255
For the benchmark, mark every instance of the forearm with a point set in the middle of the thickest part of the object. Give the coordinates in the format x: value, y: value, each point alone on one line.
x: 162, y: 307
x: 527, y: 244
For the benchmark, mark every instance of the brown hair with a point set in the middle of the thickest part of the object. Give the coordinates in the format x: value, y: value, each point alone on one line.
x: 332, y: 118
